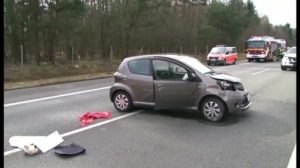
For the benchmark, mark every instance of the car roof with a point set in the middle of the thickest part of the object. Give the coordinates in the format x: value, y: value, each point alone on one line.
x: 292, y: 48
x: 175, y: 56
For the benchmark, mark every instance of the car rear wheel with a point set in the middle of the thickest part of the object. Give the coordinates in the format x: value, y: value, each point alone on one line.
x: 234, y: 61
x: 122, y: 101
x: 213, y: 109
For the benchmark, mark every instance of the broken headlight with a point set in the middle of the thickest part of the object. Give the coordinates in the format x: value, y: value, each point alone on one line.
x: 225, y: 85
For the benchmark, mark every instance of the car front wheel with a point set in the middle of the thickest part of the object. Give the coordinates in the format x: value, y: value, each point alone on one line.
x: 213, y: 109
x: 283, y: 68
x: 224, y: 62
x: 122, y: 101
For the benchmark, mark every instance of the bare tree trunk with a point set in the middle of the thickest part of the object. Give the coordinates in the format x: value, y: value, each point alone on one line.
x: 111, y: 54
x: 72, y: 55
x: 15, y: 49
x: 21, y: 51
x: 52, y: 35
x: 51, y: 56
x: 36, y: 33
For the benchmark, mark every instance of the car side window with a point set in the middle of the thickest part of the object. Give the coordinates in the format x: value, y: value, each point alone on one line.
x: 233, y: 50
x: 228, y: 51
x: 140, y: 66
x: 165, y: 70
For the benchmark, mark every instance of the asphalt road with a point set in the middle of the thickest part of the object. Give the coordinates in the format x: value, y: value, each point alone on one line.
x: 262, y: 137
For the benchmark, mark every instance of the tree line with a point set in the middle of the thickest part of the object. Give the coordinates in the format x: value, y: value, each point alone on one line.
x: 53, y: 31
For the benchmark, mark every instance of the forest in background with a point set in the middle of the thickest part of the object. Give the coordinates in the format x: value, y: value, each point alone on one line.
x: 38, y: 32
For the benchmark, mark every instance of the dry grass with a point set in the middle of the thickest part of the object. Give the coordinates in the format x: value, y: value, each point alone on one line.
x: 241, y: 56
x: 14, y: 73
x: 32, y: 75
x: 57, y: 80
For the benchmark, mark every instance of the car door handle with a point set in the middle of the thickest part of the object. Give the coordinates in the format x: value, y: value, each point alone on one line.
x: 160, y: 85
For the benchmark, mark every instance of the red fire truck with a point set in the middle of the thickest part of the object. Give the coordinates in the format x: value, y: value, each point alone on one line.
x: 261, y: 48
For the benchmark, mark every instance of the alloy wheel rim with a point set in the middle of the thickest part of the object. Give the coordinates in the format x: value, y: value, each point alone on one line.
x: 212, y: 110
x: 121, y: 101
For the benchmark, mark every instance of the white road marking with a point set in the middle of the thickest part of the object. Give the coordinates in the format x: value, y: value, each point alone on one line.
x: 292, y: 162
x: 255, y: 73
x: 81, y: 130
x: 257, y: 68
x: 12, y: 151
x: 53, y: 97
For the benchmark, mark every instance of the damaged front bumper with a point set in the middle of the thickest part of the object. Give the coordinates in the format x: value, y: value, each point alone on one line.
x: 238, y: 101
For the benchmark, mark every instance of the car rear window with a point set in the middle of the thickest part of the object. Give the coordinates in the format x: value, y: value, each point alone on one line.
x: 140, y: 66
x: 233, y: 50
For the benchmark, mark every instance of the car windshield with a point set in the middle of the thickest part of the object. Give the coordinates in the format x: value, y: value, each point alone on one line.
x: 218, y: 50
x: 255, y: 44
x: 196, y: 64
x: 292, y: 50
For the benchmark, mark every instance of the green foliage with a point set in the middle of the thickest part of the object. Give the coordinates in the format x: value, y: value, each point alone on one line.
x: 56, y: 31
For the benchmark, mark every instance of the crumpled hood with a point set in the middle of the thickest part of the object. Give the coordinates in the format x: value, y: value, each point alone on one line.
x: 225, y: 77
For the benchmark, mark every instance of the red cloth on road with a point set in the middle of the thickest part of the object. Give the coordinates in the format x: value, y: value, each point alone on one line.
x: 89, y: 117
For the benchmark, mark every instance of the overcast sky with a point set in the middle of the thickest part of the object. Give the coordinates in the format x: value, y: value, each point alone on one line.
x: 279, y: 12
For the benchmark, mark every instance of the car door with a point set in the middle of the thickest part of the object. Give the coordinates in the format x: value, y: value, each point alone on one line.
x: 230, y: 55
x: 140, y: 80
x: 234, y: 53
x: 172, y: 86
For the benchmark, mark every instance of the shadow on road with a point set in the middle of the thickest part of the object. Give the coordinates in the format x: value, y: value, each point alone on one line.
x: 230, y: 119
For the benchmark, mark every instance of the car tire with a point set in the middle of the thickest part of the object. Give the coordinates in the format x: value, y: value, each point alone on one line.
x: 122, y: 101
x: 213, y: 109
x: 283, y: 68
x: 208, y: 63
x: 265, y: 59
x: 234, y: 61
x: 249, y: 60
x: 224, y: 62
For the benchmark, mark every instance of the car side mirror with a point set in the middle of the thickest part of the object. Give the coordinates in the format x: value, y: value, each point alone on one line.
x: 193, y: 77
x: 227, y: 52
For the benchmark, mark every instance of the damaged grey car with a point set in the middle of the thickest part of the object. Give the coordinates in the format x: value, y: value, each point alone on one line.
x: 174, y: 81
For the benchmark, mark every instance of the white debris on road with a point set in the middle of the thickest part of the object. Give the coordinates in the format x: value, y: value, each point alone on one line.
x: 44, y: 143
